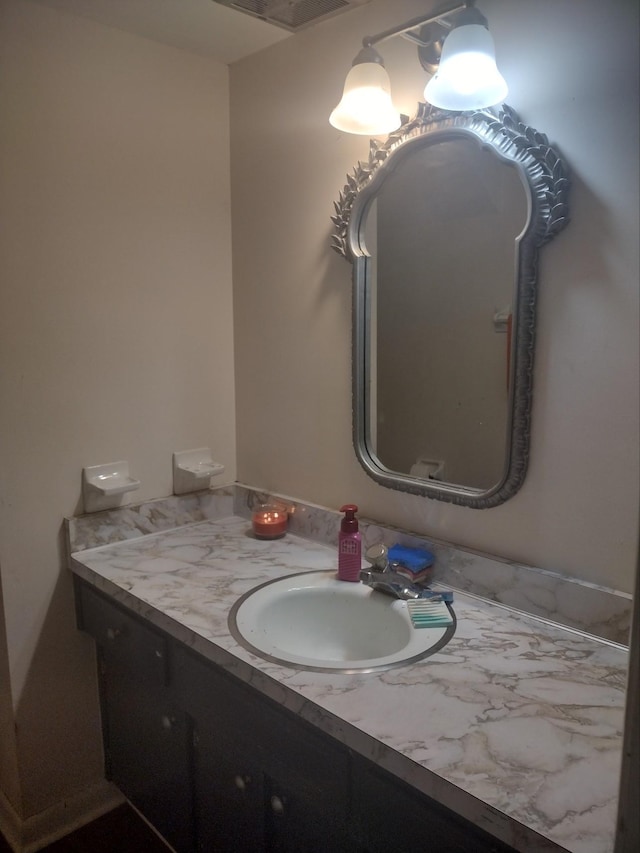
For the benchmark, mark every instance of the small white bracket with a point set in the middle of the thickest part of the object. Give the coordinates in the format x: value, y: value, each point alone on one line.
x: 193, y: 470
x: 428, y: 469
x: 103, y: 486
x: 501, y: 320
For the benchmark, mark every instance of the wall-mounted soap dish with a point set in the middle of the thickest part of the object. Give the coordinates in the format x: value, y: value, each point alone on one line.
x: 104, y: 486
x: 193, y: 470
x: 428, y: 469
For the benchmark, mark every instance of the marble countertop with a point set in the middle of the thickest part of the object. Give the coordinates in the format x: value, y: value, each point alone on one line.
x: 516, y: 724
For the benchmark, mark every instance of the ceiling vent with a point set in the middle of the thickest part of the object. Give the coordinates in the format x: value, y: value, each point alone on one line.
x: 292, y: 15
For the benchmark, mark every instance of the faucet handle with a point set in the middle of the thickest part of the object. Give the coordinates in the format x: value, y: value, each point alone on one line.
x: 377, y: 556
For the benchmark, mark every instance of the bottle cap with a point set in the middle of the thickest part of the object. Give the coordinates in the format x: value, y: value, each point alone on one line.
x: 349, y: 523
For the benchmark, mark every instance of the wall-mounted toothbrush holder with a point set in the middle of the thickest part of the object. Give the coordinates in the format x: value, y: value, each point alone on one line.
x: 104, y: 486
x: 193, y: 470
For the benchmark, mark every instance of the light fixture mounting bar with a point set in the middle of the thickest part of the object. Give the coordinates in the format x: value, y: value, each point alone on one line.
x: 413, y: 24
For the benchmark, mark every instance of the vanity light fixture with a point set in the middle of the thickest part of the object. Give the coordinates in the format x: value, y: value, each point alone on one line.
x: 366, y: 106
x: 454, y: 43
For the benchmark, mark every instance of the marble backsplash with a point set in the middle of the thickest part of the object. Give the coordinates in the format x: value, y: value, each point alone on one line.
x: 134, y: 520
x: 575, y: 604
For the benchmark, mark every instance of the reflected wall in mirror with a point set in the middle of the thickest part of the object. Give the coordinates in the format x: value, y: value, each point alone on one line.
x: 441, y: 232
x: 443, y: 225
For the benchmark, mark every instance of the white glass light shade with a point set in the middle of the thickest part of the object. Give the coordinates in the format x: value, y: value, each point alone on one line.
x: 467, y: 77
x: 366, y: 105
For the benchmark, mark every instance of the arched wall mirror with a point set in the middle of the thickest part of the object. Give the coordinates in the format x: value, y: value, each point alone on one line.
x: 443, y: 225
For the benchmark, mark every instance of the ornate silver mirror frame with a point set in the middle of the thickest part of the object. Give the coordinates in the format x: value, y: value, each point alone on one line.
x: 545, y: 176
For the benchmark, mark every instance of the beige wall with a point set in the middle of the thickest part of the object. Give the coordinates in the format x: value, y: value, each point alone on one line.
x: 572, y: 69
x: 116, y: 315
x: 115, y: 330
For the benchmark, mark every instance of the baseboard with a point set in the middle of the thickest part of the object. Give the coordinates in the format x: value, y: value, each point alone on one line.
x: 37, y: 831
x: 10, y: 823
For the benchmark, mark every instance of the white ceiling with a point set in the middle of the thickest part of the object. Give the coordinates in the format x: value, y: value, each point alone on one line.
x: 200, y: 26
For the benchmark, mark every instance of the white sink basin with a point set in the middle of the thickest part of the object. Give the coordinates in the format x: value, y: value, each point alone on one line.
x: 314, y: 621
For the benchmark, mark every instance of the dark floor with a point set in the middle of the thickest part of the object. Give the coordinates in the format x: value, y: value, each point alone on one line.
x: 119, y: 831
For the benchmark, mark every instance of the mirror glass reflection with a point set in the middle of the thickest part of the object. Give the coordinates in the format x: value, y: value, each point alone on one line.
x: 441, y: 235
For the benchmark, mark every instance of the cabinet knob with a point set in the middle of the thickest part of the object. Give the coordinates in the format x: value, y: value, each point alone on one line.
x: 167, y: 722
x: 277, y: 805
x: 113, y: 633
x: 241, y: 782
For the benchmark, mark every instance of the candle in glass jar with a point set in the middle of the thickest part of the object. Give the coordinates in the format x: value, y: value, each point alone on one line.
x: 269, y: 521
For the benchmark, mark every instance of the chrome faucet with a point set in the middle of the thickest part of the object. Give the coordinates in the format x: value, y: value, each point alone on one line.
x: 383, y: 575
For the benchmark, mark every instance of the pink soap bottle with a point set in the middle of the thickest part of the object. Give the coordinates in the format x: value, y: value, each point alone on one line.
x: 349, y: 545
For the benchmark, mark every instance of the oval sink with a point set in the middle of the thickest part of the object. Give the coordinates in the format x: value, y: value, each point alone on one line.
x: 313, y: 621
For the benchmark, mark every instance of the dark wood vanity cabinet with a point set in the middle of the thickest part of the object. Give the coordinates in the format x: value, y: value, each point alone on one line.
x: 218, y: 768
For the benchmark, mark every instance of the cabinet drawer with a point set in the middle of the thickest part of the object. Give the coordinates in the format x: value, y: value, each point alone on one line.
x: 122, y: 638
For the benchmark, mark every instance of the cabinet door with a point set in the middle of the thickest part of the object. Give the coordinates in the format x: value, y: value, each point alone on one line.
x: 228, y: 792
x: 294, y: 823
x: 390, y: 815
x: 147, y: 746
x: 306, y: 786
x: 227, y: 765
x: 147, y: 736
x: 265, y: 781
